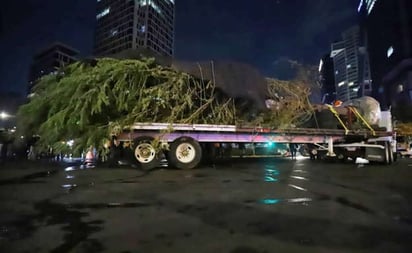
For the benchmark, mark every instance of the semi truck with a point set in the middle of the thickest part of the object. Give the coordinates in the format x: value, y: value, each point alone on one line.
x: 185, y: 146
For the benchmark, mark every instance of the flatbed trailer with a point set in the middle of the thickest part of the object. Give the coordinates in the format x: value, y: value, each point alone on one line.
x: 186, y: 144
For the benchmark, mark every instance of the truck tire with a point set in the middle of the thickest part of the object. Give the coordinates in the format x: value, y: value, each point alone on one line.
x: 388, y: 153
x: 185, y: 153
x: 145, y: 154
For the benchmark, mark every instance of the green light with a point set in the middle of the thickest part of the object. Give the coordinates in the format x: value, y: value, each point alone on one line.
x: 270, y: 201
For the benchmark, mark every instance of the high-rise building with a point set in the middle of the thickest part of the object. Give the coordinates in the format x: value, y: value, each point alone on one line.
x: 49, y: 60
x: 388, y: 27
x: 351, y: 66
x: 327, y: 81
x: 134, y: 24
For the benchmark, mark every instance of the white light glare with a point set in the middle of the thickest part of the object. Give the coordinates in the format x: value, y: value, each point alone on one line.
x: 4, y: 115
x: 103, y: 13
x: 70, y: 143
x: 360, y: 5
x: 389, y: 52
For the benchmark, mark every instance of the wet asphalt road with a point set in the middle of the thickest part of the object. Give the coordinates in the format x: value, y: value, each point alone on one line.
x: 247, y: 206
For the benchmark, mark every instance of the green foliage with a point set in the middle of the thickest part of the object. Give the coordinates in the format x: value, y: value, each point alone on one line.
x: 88, y: 101
x: 290, y: 103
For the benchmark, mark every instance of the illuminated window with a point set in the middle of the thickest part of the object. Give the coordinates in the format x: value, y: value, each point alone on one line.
x: 360, y: 5
x: 114, y: 32
x: 152, y: 4
x: 369, y: 5
x: 389, y: 52
x: 400, y: 88
x: 103, y: 13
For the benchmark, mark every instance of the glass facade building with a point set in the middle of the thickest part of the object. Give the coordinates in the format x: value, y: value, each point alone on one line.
x: 351, y: 66
x: 49, y: 60
x: 388, y: 28
x: 134, y: 24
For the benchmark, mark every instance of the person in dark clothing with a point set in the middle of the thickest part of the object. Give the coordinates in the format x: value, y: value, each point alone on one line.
x: 115, y: 152
x: 292, y: 148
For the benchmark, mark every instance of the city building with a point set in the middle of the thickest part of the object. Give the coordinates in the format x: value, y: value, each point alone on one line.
x: 49, y: 60
x: 134, y: 24
x: 327, y: 80
x: 388, y: 28
x: 351, y: 66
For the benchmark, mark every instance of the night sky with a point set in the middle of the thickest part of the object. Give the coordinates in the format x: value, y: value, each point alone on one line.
x: 260, y: 32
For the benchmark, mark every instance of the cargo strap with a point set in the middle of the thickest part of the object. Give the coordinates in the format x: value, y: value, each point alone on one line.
x: 357, y: 114
x: 338, y: 118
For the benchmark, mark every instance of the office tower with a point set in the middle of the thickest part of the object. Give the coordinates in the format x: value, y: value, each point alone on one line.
x: 388, y: 27
x: 49, y: 60
x: 351, y: 66
x: 326, y: 78
x: 134, y: 24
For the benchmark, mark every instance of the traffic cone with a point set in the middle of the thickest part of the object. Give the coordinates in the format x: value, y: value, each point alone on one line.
x: 89, y: 161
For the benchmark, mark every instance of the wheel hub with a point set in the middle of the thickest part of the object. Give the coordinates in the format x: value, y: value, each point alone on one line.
x: 185, y: 153
x: 145, y: 153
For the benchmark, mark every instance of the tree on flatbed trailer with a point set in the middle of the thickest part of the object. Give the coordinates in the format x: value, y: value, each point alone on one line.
x: 88, y: 101
x: 404, y: 129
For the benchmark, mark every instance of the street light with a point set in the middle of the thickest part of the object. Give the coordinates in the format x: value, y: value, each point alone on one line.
x: 4, y: 115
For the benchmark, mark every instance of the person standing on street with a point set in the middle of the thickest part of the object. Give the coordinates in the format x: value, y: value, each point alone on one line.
x: 292, y: 148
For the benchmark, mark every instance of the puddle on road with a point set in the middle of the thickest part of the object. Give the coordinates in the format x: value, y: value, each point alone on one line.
x: 108, y: 205
x: 360, y: 207
x: 321, y: 197
x: 28, y: 178
x: 300, y: 178
x: 271, y: 173
x: 69, y: 187
x: 77, y: 231
x: 298, y: 187
x: 278, y: 201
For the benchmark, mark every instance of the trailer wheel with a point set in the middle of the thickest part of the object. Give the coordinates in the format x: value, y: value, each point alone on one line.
x: 145, y: 154
x: 185, y: 153
x: 388, y: 153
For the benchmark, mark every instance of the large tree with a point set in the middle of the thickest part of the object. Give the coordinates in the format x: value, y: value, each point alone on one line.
x: 90, y: 100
